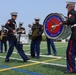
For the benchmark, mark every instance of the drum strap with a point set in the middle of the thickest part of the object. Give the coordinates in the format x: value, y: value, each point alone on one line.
x: 73, y: 26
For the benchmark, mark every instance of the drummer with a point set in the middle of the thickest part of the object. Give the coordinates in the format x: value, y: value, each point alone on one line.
x: 21, y: 30
x: 71, y: 49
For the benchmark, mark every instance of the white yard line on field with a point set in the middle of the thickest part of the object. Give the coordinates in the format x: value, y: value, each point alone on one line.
x: 51, y: 56
x: 37, y: 62
x: 43, y: 55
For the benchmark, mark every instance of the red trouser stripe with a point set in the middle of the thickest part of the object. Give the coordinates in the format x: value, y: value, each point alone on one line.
x: 69, y: 55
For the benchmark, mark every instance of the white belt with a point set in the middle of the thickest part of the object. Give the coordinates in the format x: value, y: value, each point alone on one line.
x: 73, y: 26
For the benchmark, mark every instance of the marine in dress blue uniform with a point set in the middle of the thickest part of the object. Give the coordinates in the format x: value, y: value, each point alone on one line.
x: 4, y: 39
x: 50, y: 43
x: 71, y: 49
x: 11, y: 26
x: 35, y: 43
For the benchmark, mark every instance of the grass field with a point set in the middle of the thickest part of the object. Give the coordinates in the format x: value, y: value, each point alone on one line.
x: 46, y: 65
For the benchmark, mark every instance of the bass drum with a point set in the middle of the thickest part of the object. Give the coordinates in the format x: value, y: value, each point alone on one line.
x: 53, y: 29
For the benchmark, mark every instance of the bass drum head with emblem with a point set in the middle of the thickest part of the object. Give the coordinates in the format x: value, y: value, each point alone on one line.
x: 52, y: 27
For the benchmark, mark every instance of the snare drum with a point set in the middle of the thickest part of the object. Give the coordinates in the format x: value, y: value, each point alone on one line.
x: 53, y: 29
x: 23, y: 39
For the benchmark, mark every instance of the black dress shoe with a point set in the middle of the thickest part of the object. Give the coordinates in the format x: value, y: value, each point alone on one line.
x: 37, y: 57
x: 66, y: 72
x: 6, y: 60
x: 25, y: 60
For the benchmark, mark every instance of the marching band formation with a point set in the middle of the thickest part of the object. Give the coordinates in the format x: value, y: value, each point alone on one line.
x: 12, y: 34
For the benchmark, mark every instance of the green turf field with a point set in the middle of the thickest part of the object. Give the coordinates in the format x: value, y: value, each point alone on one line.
x: 46, y: 65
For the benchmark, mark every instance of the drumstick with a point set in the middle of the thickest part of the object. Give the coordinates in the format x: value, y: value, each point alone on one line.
x: 57, y: 25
